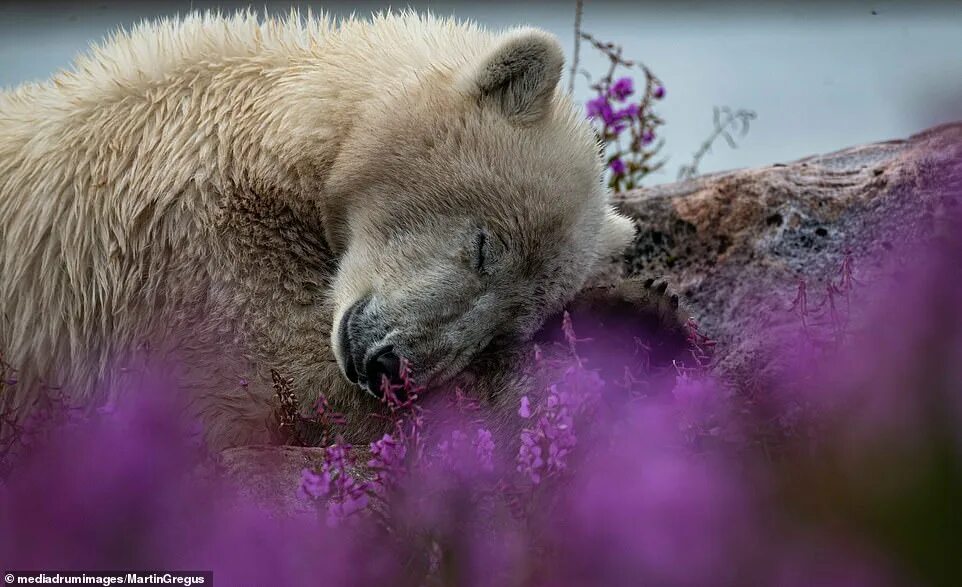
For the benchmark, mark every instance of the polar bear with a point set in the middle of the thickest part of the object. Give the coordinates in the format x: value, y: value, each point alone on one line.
x: 225, y: 196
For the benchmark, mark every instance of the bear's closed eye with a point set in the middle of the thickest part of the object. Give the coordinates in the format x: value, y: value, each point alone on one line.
x: 480, y: 251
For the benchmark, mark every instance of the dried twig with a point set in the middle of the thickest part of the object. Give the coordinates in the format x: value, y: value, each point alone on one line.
x: 725, y: 122
x: 579, y: 12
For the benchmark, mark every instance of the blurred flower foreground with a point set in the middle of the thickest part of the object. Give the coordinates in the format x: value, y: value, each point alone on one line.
x: 839, y: 466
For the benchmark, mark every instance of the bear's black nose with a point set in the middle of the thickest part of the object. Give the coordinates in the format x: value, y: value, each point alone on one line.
x: 383, y: 363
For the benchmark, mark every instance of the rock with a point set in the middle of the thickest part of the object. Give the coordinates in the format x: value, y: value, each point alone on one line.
x: 737, y: 244
x: 270, y: 474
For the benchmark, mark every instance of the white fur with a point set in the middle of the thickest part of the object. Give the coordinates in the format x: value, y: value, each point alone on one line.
x: 190, y: 186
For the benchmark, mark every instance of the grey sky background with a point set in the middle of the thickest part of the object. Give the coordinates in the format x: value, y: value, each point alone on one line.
x: 819, y: 75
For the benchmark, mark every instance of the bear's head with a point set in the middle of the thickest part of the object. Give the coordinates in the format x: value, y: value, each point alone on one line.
x: 467, y: 207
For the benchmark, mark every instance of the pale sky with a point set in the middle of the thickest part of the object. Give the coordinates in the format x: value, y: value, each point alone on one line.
x: 820, y: 75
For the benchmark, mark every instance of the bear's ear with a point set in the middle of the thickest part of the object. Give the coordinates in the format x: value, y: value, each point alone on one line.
x: 616, y: 234
x: 519, y: 75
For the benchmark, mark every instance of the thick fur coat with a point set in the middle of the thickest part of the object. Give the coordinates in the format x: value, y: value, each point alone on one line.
x: 223, y: 196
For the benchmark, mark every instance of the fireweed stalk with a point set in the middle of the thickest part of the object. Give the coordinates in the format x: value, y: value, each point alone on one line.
x: 626, y: 125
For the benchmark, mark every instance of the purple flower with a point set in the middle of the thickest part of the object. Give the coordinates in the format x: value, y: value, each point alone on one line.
x: 598, y: 107
x: 314, y: 485
x: 629, y: 111
x: 617, y: 167
x: 484, y: 447
x: 338, y: 511
x: 647, y: 137
x: 345, y: 494
x: 658, y: 92
x: 525, y: 410
x: 387, y: 462
x: 622, y: 88
x: 529, y: 456
x: 450, y: 451
x: 546, y: 445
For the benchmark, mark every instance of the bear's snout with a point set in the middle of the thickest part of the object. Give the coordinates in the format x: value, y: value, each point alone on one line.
x: 384, y: 363
x: 366, y: 360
